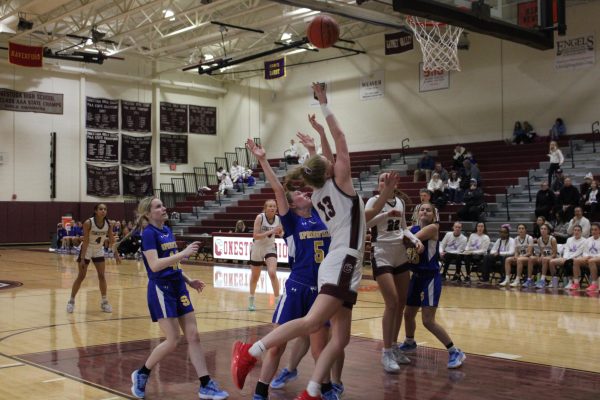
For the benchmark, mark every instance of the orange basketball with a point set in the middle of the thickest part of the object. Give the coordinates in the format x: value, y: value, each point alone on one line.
x: 323, y: 31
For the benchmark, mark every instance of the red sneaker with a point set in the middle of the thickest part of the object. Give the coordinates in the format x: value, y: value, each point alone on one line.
x: 305, y: 396
x: 241, y: 363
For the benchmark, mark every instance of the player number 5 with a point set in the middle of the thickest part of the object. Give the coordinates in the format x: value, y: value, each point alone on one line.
x: 319, y: 253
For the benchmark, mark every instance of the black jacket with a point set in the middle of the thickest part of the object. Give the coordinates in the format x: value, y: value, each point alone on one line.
x: 545, y: 198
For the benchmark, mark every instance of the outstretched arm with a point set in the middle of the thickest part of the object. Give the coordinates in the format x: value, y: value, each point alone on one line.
x: 388, y: 190
x: 324, y: 142
x: 260, y: 154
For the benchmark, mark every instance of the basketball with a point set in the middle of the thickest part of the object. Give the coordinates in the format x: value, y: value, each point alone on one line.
x: 323, y: 31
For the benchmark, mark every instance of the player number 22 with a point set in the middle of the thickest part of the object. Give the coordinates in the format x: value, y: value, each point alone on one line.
x: 326, y: 206
x: 319, y: 253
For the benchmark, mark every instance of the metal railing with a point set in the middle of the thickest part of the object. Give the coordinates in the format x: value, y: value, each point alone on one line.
x: 405, y: 146
x: 571, y: 152
x: 595, y: 132
x: 529, y: 178
x: 506, y: 197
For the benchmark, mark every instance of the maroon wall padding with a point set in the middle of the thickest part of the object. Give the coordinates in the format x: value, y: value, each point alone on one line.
x: 35, y: 221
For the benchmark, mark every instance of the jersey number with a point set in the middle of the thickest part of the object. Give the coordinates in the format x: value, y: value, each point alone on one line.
x: 99, y: 239
x: 184, y: 300
x: 319, y: 253
x: 393, y: 225
x: 326, y: 206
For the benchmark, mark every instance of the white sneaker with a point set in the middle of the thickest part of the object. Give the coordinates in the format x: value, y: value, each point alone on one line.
x: 505, y: 282
x: 251, y: 305
x: 106, y: 307
x: 569, y: 285
x: 389, y: 363
x: 515, y: 283
x: 70, y: 307
x: 400, y: 357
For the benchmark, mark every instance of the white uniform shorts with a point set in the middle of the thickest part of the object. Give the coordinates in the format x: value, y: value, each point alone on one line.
x: 340, y: 274
x: 259, y: 253
x: 389, y: 258
x: 93, y: 253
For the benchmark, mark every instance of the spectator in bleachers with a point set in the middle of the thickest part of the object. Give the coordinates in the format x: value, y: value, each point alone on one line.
x: 545, y: 201
x: 425, y: 196
x: 226, y: 184
x: 560, y: 229
x: 240, y: 227
x: 590, y: 258
x: 424, y: 167
x: 458, y: 157
x: 240, y: 174
x: 586, y: 184
x: 436, y: 187
x: 451, y: 248
x: 558, y: 129
x: 520, y: 258
x: 469, y: 171
x: 519, y: 135
x: 441, y: 171
x: 537, y: 227
x: 61, y: 233
x: 474, y: 203
x: 556, y: 160
x: 579, y: 219
x: 559, y: 182
x: 454, y: 193
x: 503, y: 248
x: 571, y: 250
x: 220, y: 174
x: 529, y: 132
x: 476, y: 249
x: 291, y: 154
x: 590, y: 202
x: 547, y: 249
x: 568, y: 199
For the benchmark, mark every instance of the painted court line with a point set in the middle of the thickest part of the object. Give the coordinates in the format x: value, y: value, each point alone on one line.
x: 54, y: 380
x: 506, y: 356
x: 11, y: 365
x: 111, y: 398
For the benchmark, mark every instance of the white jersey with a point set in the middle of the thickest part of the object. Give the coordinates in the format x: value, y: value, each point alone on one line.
x: 591, y: 247
x: 389, y: 230
x: 344, y: 216
x: 573, y: 248
x: 544, y: 249
x: 266, y: 225
x: 97, y: 235
x: 453, y: 244
x: 521, y: 245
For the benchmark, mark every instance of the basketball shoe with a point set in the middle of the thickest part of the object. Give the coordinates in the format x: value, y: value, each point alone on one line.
x: 284, y: 377
x: 212, y: 392
x: 305, y: 396
x: 138, y: 389
x: 456, y: 358
x: 241, y: 363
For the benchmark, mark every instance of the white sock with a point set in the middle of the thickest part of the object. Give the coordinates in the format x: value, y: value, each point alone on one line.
x: 313, y: 388
x: 452, y: 349
x: 257, y: 349
x: 104, y: 299
x: 576, y: 280
x: 543, y: 277
x: 386, y: 351
x: 409, y: 340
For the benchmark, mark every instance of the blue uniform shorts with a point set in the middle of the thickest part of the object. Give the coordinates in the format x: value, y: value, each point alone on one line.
x: 424, y: 289
x: 297, y: 299
x: 168, y: 299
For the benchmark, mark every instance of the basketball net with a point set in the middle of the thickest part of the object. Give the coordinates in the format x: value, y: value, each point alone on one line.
x: 439, y: 43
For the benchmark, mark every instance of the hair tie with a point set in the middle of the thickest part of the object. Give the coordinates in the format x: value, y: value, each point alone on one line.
x: 307, y: 170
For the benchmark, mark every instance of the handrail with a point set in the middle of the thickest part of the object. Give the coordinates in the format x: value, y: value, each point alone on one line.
x: 506, y: 197
x: 529, y: 178
x: 595, y: 126
x: 405, y: 146
x: 571, y: 151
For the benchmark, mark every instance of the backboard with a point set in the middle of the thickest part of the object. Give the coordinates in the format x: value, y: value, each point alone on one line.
x: 529, y: 22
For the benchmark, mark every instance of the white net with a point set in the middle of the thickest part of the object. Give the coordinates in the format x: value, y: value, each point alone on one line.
x: 438, y: 43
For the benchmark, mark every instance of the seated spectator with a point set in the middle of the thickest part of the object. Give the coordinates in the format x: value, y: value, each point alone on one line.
x: 520, y: 258
x: 476, y: 248
x: 519, y: 135
x: 226, y: 184
x: 556, y: 160
x: 586, y: 184
x: 590, y: 258
x: 458, y: 157
x: 240, y: 227
x: 61, y: 233
x: 537, y: 227
x: 454, y: 193
x: 558, y: 129
x: 291, y: 154
x: 590, y: 202
x: 220, y: 174
x: 579, y: 219
x: 441, y: 171
x: 560, y: 229
x: 117, y: 229
x: 545, y: 201
x: 474, y: 203
x: 451, y: 248
x: 469, y: 172
x: 568, y: 199
x: 529, y: 132
x: 503, y: 248
x: 424, y: 167
x: 559, y: 181
x: 240, y: 174
x: 436, y: 187
x: 425, y: 196
x: 547, y: 250
x: 572, y: 250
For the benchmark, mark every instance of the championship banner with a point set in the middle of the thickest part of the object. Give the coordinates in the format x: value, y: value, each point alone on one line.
x: 39, y: 102
x: 135, y: 116
x: 275, y: 69
x: 238, y: 248
x: 102, y: 113
x: 238, y: 279
x: 102, y: 181
x: 399, y: 42
x: 25, y: 56
x: 102, y: 146
x: 135, y: 150
x: 137, y: 182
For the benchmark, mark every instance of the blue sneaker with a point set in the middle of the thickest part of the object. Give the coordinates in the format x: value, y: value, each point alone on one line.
x: 330, y: 395
x: 138, y: 389
x: 258, y: 397
x: 456, y: 358
x: 541, y: 283
x: 408, y: 347
x: 284, y: 377
x: 339, y: 388
x: 212, y: 392
x: 528, y: 283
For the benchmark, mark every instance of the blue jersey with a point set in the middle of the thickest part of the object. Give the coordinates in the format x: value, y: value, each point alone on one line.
x: 428, y: 260
x: 76, y: 231
x: 163, y: 242
x: 308, y: 242
x: 61, y: 233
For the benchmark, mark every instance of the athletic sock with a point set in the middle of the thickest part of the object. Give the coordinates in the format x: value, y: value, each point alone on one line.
x: 326, y: 387
x: 313, y: 389
x: 145, y: 370
x: 450, y: 347
x: 262, y: 389
x: 386, y: 351
x: 204, y: 380
x: 576, y: 280
x: 409, y: 340
x: 257, y: 349
x: 543, y: 277
x: 104, y: 299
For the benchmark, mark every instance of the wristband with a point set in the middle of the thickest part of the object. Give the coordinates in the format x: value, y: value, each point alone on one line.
x: 326, y: 111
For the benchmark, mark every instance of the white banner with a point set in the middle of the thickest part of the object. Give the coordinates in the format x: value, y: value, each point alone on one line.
x: 433, y: 80
x: 372, y: 86
x: 239, y: 279
x: 238, y: 248
x: 575, y: 52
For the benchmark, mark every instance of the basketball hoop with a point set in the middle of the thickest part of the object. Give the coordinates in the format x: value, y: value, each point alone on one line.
x: 439, y: 43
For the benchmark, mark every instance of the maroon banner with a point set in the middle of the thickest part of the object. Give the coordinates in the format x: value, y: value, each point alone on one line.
x: 25, y: 56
